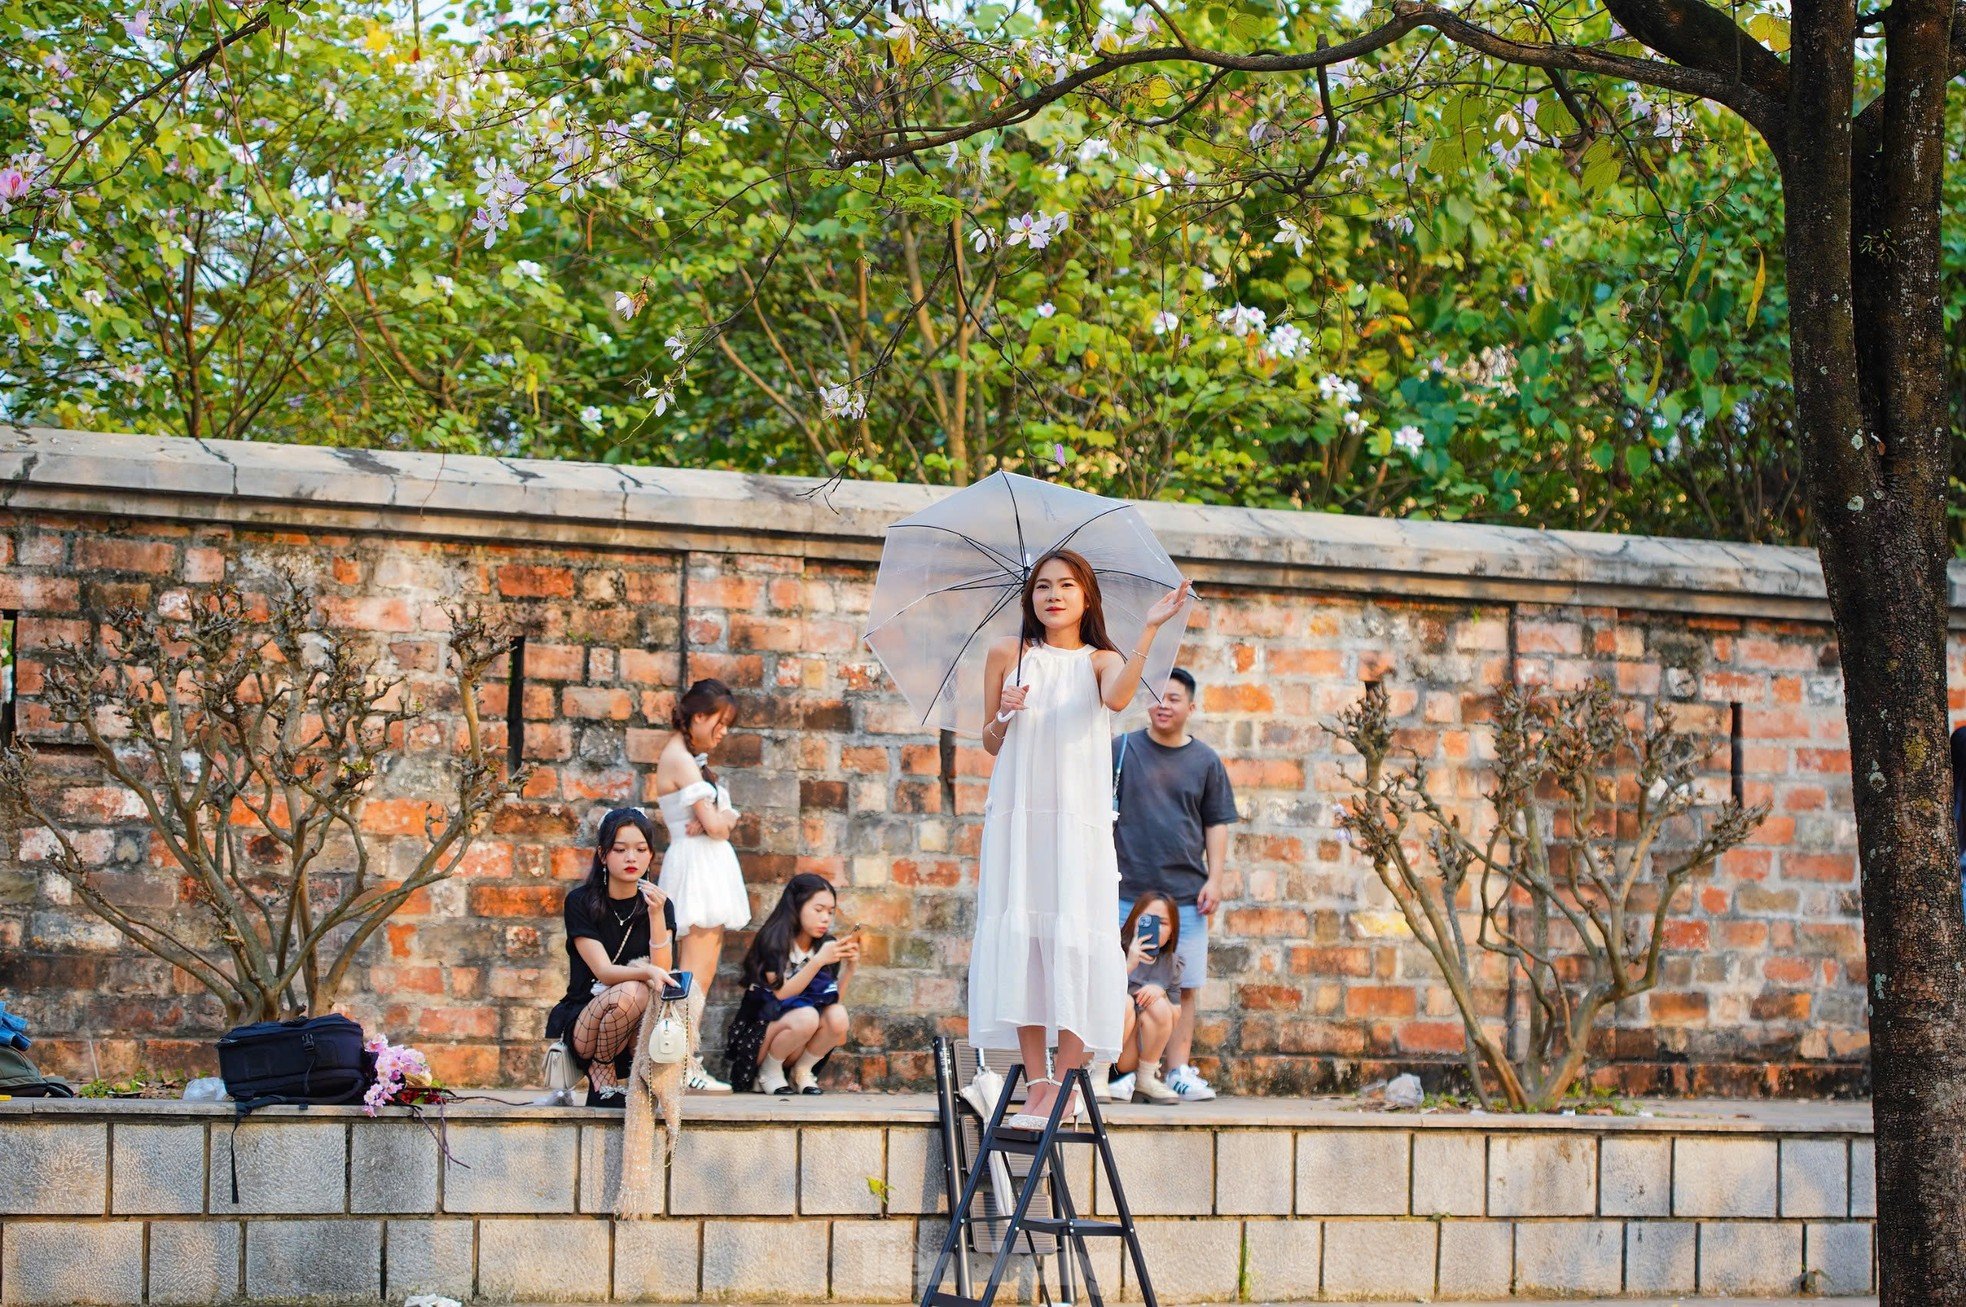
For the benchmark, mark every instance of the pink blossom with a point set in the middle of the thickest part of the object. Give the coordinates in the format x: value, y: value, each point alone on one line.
x: 13, y: 183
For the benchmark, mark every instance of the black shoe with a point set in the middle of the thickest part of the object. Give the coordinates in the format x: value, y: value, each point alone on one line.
x: 606, y: 1098
x: 812, y: 1089
x: 785, y: 1090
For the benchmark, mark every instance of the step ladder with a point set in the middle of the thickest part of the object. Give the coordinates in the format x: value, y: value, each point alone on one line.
x: 1043, y: 1149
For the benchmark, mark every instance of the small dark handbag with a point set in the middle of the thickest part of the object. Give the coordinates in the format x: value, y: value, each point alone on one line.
x: 305, y: 1060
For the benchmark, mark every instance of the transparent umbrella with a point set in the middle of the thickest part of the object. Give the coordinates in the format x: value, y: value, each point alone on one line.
x: 952, y: 578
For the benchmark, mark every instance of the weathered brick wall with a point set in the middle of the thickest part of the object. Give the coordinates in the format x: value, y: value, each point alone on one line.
x: 1316, y: 986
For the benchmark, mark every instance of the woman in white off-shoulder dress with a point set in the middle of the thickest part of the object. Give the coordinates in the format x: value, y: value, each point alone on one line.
x: 699, y: 871
x: 1046, y: 969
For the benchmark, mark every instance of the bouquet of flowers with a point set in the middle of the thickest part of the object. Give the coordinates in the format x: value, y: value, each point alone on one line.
x: 402, y: 1077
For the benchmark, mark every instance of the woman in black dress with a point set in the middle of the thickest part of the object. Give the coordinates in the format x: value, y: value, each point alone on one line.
x: 616, y: 961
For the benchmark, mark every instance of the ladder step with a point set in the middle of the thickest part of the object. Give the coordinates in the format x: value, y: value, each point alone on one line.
x: 1065, y: 1229
x: 1027, y: 1144
x: 940, y: 1299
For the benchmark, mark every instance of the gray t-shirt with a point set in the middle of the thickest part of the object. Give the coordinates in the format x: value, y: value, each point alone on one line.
x: 1168, y: 797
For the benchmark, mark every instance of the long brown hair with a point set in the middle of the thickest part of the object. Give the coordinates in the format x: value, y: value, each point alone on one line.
x: 708, y: 697
x: 1140, y: 905
x: 1092, y: 622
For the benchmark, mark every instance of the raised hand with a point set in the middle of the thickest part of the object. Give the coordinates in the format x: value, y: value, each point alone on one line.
x: 1169, y: 604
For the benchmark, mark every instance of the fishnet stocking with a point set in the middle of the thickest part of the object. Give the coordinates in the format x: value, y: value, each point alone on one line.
x: 606, y: 1026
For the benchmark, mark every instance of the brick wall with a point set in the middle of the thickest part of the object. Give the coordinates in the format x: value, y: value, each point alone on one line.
x: 1317, y: 986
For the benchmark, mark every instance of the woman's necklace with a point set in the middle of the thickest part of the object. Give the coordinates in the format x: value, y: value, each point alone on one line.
x: 622, y: 919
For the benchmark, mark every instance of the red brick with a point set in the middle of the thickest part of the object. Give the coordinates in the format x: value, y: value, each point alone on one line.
x: 398, y: 816
x: 1267, y: 921
x: 864, y: 760
x: 1676, y: 1009
x: 1432, y: 1036
x: 555, y: 662
x: 1265, y: 773
x: 723, y: 591
x: 1351, y: 961
x: 1783, y: 1006
x: 518, y: 900
x: 597, y: 702
x: 941, y: 875
x: 529, y: 581
x: 1690, y: 935
x: 1380, y: 1001
x: 1268, y: 998
x: 109, y: 554
x: 648, y: 667
x: 1242, y: 697
x: 1835, y: 868
x: 1835, y: 762
x: 38, y: 594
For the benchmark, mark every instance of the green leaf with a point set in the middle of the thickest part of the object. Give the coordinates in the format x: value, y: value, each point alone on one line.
x: 1638, y: 460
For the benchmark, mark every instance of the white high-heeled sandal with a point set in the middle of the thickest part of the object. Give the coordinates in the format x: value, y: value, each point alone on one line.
x: 1031, y: 1121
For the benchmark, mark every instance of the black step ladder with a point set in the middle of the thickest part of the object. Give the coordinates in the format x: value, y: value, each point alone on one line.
x: 1044, y: 1148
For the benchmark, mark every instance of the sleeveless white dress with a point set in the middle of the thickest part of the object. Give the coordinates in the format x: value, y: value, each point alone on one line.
x: 1047, y: 950
x: 699, y: 872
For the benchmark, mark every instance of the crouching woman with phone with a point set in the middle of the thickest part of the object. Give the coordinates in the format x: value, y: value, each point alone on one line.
x: 618, y: 960
x: 1152, y: 936
x: 795, y: 974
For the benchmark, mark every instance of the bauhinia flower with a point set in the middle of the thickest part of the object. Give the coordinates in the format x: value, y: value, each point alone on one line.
x: 842, y: 401
x: 625, y: 304
x: 1046, y: 309
x: 1287, y: 341
x: 1289, y: 233
x: 677, y: 347
x: 1165, y: 322
x: 1410, y: 438
x: 1035, y: 229
x: 1243, y: 320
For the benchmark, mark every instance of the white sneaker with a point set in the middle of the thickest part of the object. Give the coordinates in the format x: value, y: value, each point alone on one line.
x: 1188, y: 1082
x: 1120, y: 1088
x: 1102, y: 1087
x: 699, y: 1081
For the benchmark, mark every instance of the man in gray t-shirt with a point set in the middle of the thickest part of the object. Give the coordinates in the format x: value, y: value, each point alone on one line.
x: 1175, y: 808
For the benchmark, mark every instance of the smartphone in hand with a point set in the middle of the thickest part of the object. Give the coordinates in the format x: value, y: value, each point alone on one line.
x: 1150, y: 936
x: 678, y: 987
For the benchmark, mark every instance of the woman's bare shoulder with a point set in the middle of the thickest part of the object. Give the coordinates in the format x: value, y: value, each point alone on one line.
x: 1004, y: 649
x: 675, y: 768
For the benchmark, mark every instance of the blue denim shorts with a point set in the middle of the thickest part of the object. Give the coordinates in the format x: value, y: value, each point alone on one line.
x: 1193, y: 947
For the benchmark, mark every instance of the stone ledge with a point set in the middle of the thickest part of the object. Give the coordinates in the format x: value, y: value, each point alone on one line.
x: 468, y: 497
x: 1666, y: 1116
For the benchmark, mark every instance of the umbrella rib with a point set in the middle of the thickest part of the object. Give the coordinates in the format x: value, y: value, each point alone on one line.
x: 1132, y: 576
x: 1066, y: 539
x: 957, y: 661
x: 980, y: 583
x: 1010, y: 566
x: 1016, y: 516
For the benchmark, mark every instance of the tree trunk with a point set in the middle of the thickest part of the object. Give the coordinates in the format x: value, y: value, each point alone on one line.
x: 1867, y: 354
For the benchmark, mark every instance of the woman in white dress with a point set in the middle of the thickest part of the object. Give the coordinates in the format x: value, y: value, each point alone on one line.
x: 700, y: 872
x: 1046, y: 969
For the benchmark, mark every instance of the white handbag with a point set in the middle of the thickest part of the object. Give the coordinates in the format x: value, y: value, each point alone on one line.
x: 669, y: 1041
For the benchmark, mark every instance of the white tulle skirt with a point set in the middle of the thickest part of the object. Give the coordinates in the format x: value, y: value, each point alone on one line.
x: 702, y: 876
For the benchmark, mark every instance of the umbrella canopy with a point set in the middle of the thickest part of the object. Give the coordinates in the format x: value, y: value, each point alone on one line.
x: 952, y: 581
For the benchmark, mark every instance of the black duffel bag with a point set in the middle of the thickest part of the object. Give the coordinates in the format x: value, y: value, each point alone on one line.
x: 306, y: 1060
